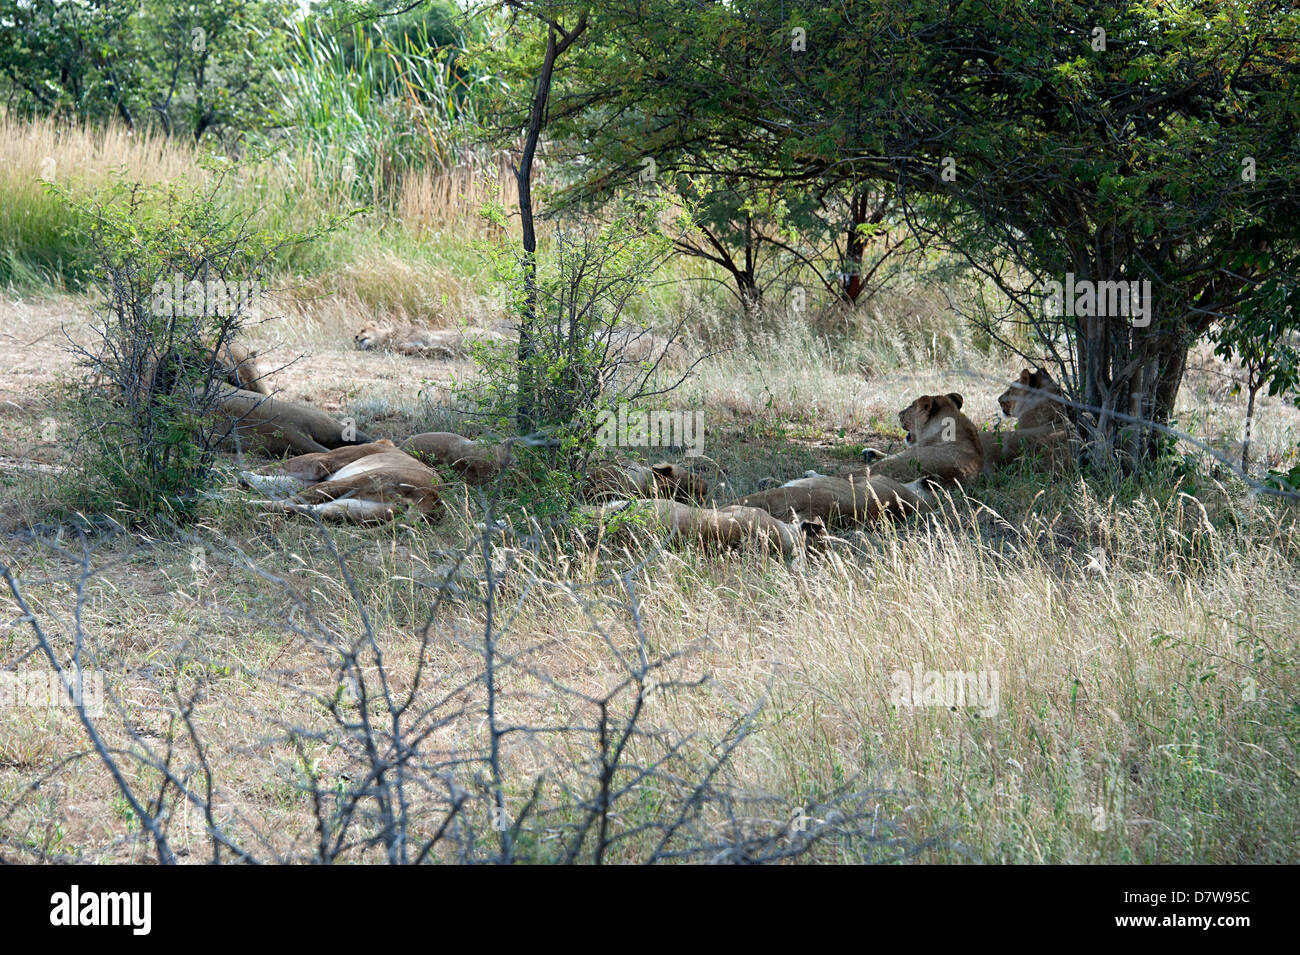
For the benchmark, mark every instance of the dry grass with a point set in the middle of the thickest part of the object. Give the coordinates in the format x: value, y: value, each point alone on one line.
x: 434, y: 204
x: 1144, y: 710
x: 53, y: 151
x: 1145, y: 647
x: 1144, y: 638
x: 384, y: 285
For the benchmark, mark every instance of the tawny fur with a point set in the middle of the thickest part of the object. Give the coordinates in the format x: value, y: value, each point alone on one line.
x: 1031, y: 401
x: 377, y: 485
x: 943, y: 444
x: 276, y: 426
x: 617, y: 479
x: 232, y: 364
x: 731, y: 526
x: 428, y: 342
x: 1043, y: 428
x: 318, y: 467
x: 296, y: 473
x: 861, y: 498
x: 476, y: 463
x: 240, y: 369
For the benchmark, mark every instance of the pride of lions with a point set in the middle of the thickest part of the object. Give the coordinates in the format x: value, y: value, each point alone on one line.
x: 338, y: 472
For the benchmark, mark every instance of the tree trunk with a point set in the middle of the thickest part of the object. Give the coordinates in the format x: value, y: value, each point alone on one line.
x: 1127, y: 374
x: 526, y: 410
x: 1253, y: 388
x: 751, y: 296
x: 557, y: 41
x: 854, y: 247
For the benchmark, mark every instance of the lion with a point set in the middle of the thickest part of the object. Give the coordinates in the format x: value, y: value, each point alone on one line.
x: 239, y: 368
x: 296, y: 473
x: 859, y: 498
x: 476, y: 463
x: 1035, y: 401
x: 368, y: 483
x: 943, y: 445
x: 621, y: 479
x: 428, y: 342
x: 730, y: 526
x: 1043, y: 427
x: 276, y: 426
x: 232, y: 364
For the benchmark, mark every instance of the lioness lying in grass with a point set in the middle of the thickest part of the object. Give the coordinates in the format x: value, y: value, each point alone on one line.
x: 621, y: 479
x: 367, y: 483
x: 276, y: 426
x: 943, y: 445
x: 859, y: 498
x: 476, y: 463
x: 429, y: 342
x: 730, y: 526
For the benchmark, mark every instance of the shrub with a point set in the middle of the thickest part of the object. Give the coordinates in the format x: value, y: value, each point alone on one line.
x: 580, y: 354
x: 177, y: 279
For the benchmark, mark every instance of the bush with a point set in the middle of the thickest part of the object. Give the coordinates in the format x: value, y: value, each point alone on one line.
x: 177, y: 279
x: 579, y: 355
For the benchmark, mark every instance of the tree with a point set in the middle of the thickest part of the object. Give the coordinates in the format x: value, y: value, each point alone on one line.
x: 194, y: 67
x: 1114, y: 142
x: 60, y: 57
x: 550, y: 17
x: 1263, y: 340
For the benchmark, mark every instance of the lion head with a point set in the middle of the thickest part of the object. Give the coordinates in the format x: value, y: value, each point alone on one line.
x: 1030, y: 388
x: 370, y: 335
x: 679, y: 483
x: 928, y: 417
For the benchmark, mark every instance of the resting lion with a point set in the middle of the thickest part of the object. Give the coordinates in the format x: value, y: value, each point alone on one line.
x: 232, y: 364
x: 476, y: 463
x: 1043, y: 427
x: 619, y: 479
x: 276, y: 426
x: 318, y: 466
x: 860, y: 498
x: 239, y: 368
x: 731, y: 526
x: 370, y: 482
x: 1035, y: 401
x: 943, y: 446
x: 414, y: 340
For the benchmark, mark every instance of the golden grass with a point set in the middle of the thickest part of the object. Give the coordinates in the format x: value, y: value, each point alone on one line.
x: 1144, y: 639
x: 68, y: 154
x: 1143, y: 713
x: 433, y: 203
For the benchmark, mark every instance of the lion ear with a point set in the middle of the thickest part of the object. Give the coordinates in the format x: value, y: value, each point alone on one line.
x: 955, y: 398
x: 663, y: 467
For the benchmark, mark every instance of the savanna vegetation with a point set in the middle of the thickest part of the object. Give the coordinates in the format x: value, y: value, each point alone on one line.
x: 789, y: 223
